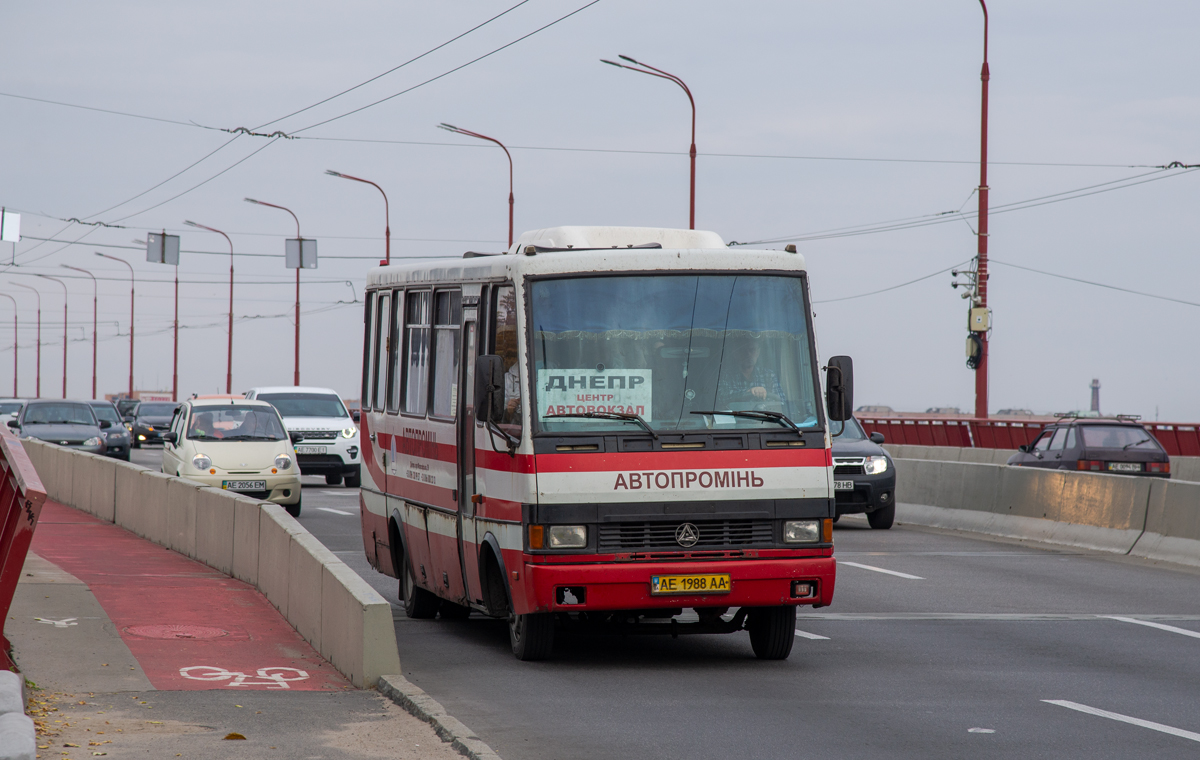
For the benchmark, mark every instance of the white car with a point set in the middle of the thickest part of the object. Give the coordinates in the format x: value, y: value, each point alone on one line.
x: 10, y: 408
x: 326, y: 437
x: 235, y: 444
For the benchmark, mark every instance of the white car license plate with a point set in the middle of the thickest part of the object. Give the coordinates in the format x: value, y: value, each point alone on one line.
x: 311, y: 449
x: 1125, y: 466
x: 843, y: 485
x: 244, y: 485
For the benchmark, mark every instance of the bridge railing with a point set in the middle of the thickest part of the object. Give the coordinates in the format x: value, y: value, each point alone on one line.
x: 1178, y: 439
x: 21, y: 499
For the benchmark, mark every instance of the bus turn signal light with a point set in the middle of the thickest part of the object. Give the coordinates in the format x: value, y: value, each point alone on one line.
x: 827, y: 531
x: 537, y: 537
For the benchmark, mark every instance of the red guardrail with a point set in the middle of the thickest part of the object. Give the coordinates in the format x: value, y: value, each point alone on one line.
x: 21, y: 499
x: 1178, y: 439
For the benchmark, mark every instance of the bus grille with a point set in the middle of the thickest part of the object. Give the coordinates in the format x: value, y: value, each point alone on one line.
x: 661, y: 535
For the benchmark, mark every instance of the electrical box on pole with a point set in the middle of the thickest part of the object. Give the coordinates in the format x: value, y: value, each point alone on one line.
x: 979, y: 319
x: 162, y: 248
x: 300, y: 253
x: 10, y: 227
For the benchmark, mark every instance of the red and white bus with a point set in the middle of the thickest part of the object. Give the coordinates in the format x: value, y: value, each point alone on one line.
x: 618, y: 428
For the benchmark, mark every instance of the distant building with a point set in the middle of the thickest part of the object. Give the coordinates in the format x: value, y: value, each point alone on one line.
x: 875, y: 409
x: 1095, y: 386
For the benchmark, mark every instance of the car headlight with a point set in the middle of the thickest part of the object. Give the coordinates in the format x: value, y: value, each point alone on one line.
x: 350, y: 432
x: 129, y: 426
x: 283, y: 462
x: 875, y: 465
x: 201, y: 462
x: 801, y: 531
x: 94, y: 441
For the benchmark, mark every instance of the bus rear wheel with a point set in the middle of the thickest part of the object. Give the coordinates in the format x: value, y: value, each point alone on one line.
x: 532, y: 635
x: 772, y: 631
x: 418, y: 603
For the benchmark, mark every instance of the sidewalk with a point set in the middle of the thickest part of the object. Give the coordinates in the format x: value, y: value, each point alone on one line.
x: 134, y: 650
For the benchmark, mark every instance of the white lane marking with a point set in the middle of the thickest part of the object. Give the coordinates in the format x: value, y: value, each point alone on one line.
x: 972, y: 616
x: 272, y: 678
x: 335, y: 511
x: 881, y: 570
x: 813, y: 636
x: 1159, y: 626
x: 1125, y: 719
x: 981, y: 730
x: 64, y: 623
x: 351, y: 492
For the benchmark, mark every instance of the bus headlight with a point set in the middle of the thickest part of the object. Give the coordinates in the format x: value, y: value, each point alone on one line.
x: 201, y: 462
x: 801, y: 531
x: 566, y: 536
x: 875, y: 465
x: 283, y: 462
x: 350, y: 432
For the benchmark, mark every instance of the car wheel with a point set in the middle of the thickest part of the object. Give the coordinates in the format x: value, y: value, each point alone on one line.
x: 135, y: 445
x: 418, y: 603
x: 354, y: 480
x: 294, y: 509
x: 772, y: 631
x: 882, y: 518
x: 532, y: 635
x: 334, y: 479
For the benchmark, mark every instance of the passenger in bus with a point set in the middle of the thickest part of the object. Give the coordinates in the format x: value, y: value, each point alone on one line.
x: 743, y: 380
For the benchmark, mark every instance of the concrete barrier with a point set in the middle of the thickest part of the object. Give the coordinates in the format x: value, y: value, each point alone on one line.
x: 275, y: 530
x: 182, y: 496
x: 1186, y: 469
x: 247, y: 514
x: 1172, y: 523
x: 353, y: 616
x: 307, y: 560
x: 102, y: 490
x: 82, y: 469
x: 153, y: 493
x: 214, y: 529
x: 128, y: 511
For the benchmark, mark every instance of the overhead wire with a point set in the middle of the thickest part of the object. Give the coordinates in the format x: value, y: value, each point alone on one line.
x: 1096, y: 284
x: 893, y: 287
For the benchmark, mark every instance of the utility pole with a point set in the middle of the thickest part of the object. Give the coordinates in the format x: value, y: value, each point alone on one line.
x: 981, y: 270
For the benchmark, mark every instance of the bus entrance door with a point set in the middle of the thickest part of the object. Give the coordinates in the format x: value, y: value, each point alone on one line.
x: 468, y: 546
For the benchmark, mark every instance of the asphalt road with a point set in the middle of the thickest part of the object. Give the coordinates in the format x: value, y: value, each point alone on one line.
x: 937, y: 645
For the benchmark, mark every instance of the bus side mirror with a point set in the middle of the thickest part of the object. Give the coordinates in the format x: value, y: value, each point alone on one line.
x: 839, y: 388
x: 489, y: 388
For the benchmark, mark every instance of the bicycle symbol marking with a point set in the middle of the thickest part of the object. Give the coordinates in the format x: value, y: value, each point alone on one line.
x: 272, y: 678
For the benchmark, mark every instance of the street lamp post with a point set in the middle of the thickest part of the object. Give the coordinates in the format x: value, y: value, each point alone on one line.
x: 981, y: 372
x: 66, y: 297
x: 648, y: 69
x: 469, y: 133
x: 95, y: 299
x: 15, y: 332
x: 387, y: 229
x: 131, y: 287
x: 229, y: 357
x: 299, y: 265
x: 38, y: 387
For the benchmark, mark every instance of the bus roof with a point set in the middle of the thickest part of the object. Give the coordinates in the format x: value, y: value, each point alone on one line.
x: 565, y: 250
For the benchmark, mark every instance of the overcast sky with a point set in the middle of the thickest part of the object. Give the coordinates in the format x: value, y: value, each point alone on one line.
x: 863, y: 112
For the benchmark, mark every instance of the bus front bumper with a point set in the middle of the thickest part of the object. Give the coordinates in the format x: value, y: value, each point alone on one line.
x: 627, y: 586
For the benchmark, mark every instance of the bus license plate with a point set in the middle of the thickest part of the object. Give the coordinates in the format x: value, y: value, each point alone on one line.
x: 311, y: 449
x: 1125, y: 466
x: 689, y: 584
x: 244, y: 485
x: 843, y: 485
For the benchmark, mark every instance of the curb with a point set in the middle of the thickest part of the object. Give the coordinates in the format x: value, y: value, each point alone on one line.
x: 450, y: 729
x: 17, y: 734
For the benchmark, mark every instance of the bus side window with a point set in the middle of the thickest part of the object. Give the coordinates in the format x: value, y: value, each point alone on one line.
x: 416, y: 352
x: 368, y: 343
x: 395, y: 368
x: 447, y: 316
x: 381, y: 349
x: 504, y: 341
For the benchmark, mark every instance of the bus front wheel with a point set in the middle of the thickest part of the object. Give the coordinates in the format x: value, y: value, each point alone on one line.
x: 418, y: 603
x: 532, y: 635
x: 772, y: 631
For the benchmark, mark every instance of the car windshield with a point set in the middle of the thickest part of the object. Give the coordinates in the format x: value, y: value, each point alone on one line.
x: 155, y: 410
x: 853, y: 431
x: 235, y: 423
x: 106, y: 412
x: 1116, y: 437
x: 59, y: 414
x: 665, y: 346
x: 305, y: 404
x: 10, y: 407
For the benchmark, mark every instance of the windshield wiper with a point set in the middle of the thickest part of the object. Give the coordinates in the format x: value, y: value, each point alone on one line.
x: 1135, y: 443
x: 752, y: 414
x: 621, y: 416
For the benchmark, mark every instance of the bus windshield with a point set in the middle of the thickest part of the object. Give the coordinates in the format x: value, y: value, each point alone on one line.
x: 665, y: 346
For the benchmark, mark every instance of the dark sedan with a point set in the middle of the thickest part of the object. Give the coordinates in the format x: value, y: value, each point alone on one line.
x: 66, y: 423
x: 864, y: 477
x: 1117, y: 445
x: 117, y: 438
x: 149, y: 420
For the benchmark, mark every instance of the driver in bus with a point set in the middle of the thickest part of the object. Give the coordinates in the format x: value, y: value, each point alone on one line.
x: 512, y: 395
x: 745, y: 380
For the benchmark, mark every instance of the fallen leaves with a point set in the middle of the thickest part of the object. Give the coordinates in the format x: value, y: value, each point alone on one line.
x: 235, y: 736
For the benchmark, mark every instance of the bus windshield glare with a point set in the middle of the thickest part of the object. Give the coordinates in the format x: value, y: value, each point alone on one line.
x: 665, y: 346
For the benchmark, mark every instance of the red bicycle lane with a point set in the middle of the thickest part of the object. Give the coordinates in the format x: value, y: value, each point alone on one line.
x: 188, y: 626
